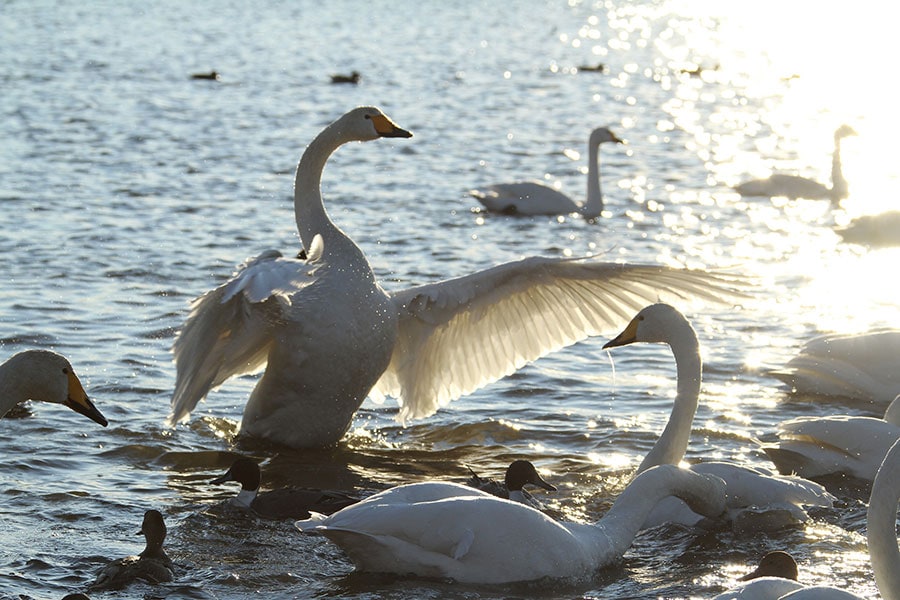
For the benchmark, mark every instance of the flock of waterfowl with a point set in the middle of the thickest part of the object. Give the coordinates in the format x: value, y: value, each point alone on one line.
x: 328, y: 336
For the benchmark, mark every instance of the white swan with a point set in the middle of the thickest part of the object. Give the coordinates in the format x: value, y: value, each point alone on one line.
x: 534, y: 198
x: 455, y: 531
x: 818, y: 446
x: 330, y: 335
x: 44, y: 376
x: 794, y: 186
x: 877, y: 230
x: 749, y: 490
x: 863, y: 366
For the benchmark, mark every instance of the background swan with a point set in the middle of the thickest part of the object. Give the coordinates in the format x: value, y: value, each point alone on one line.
x: 794, y: 186
x: 882, y: 229
x: 474, y: 537
x: 819, y: 446
x: 863, y: 366
x: 748, y: 490
x: 328, y: 334
x: 535, y: 198
x: 44, y: 376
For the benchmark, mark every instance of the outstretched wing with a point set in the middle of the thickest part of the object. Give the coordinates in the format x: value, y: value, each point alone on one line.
x: 460, y: 334
x: 229, y: 329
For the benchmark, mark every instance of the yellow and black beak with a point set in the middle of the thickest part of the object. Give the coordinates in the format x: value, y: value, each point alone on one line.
x: 628, y: 335
x: 78, y: 401
x: 387, y: 128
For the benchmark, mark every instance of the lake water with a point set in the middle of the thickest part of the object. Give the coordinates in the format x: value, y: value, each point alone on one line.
x: 127, y: 189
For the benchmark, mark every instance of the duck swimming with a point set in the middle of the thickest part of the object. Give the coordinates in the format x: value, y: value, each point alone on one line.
x: 44, y: 376
x: 519, y: 473
x: 454, y: 531
x: 284, y: 503
x: 328, y: 335
x: 775, y: 576
x: 152, y: 565
x: 750, y: 491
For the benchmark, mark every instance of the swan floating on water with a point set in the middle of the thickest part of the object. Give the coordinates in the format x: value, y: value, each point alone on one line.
x: 44, y: 376
x: 878, y: 230
x: 838, y: 444
x: 328, y: 335
x: 534, y: 198
x: 518, y: 474
x: 152, y: 565
x: 795, y: 186
x: 750, y: 491
x: 454, y: 531
x: 864, y: 366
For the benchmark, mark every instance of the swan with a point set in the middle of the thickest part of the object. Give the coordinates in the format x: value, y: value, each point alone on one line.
x: 44, y: 376
x: 283, y: 503
x: 837, y: 444
x: 454, y: 531
x: 152, y: 565
x: 775, y: 576
x: 749, y: 490
x: 534, y: 198
x: 519, y: 473
x: 863, y: 366
x: 877, y: 230
x: 794, y: 186
x: 328, y: 335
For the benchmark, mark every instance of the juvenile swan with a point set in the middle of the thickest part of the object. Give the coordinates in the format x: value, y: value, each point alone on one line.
x: 329, y: 335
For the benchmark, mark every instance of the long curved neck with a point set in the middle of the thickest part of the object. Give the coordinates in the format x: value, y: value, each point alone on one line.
x: 839, y: 186
x: 672, y: 444
x: 594, y: 204
x: 881, y: 526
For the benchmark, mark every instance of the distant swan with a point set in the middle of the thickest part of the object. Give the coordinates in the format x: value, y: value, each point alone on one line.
x: 818, y: 446
x: 534, y: 198
x: 749, y: 490
x: 864, y: 366
x: 453, y: 531
x: 328, y: 335
x: 44, y: 376
x: 873, y: 230
x: 794, y: 186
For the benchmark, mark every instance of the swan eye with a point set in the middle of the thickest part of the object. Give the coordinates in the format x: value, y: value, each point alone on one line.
x: 368, y: 116
x: 65, y: 370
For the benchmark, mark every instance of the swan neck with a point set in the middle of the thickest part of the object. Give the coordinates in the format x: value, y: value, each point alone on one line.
x: 309, y: 209
x: 881, y: 526
x: 594, y: 205
x: 839, y: 187
x: 672, y: 444
x: 15, y: 382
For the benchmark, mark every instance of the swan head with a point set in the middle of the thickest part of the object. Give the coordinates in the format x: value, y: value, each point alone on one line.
x: 844, y: 131
x: 654, y: 324
x: 50, y: 378
x: 369, y: 123
x: 602, y: 135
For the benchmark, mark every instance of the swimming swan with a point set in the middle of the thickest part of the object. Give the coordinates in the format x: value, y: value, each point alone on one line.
x: 876, y: 230
x: 794, y: 186
x: 818, y: 446
x: 535, y: 198
x: 328, y: 334
x: 44, y: 376
x: 864, y: 366
x: 454, y: 531
x: 748, y: 489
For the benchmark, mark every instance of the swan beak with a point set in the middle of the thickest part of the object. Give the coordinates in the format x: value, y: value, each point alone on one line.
x: 628, y: 336
x: 78, y: 401
x: 617, y: 139
x: 387, y: 128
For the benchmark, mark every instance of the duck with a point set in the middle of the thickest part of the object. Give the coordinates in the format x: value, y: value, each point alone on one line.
x: 850, y: 445
x: 878, y: 230
x: 353, y: 77
x: 753, y: 492
x: 44, y: 376
x: 152, y: 565
x: 211, y: 76
x: 283, y: 503
x: 533, y: 198
x: 519, y: 473
x: 454, y: 531
x: 795, y: 186
x: 328, y: 335
x: 775, y: 576
x: 863, y: 367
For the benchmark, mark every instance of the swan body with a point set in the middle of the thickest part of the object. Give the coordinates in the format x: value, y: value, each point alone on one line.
x: 863, y: 367
x: 44, y: 376
x: 873, y: 230
x: 749, y: 491
x: 518, y: 474
x: 283, y: 503
x: 470, y: 536
x: 152, y: 565
x: 534, y: 198
x: 794, y: 186
x: 328, y: 335
x: 839, y: 444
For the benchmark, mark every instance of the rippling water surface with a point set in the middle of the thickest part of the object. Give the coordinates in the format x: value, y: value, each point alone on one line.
x: 127, y: 189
